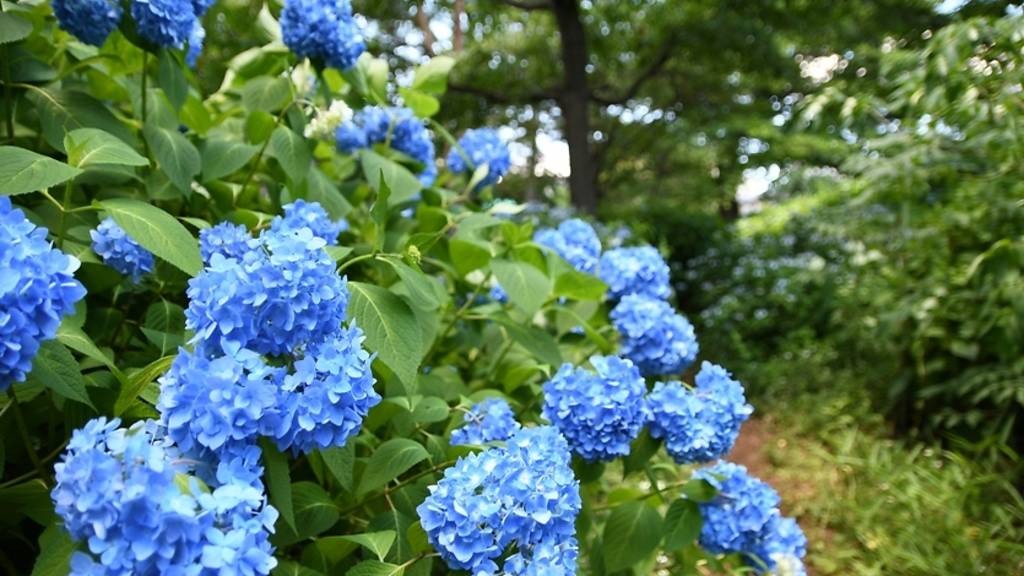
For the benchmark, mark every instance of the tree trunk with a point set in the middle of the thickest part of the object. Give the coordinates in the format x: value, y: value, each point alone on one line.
x: 457, y: 12
x: 575, y: 104
x: 423, y: 22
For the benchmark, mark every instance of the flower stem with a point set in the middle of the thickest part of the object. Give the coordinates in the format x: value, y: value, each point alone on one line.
x: 19, y: 419
x: 64, y: 215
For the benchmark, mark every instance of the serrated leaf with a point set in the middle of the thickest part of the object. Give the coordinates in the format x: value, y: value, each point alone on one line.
x: 23, y: 171
x: 632, y: 532
x: 13, y: 28
x: 424, y: 290
x: 341, y: 462
x: 291, y: 152
x: 176, y: 155
x: 157, y: 231
x: 403, y: 184
x: 389, y: 461
x: 683, y: 522
x: 536, y: 341
x: 319, y: 188
x: 377, y: 542
x: 527, y: 287
x: 315, y: 512
x: 222, y: 157
x: 75, y: 338
x: 88, y: 146
x: 138, y: 381
x: 55, y: 368
x: 391, y: 328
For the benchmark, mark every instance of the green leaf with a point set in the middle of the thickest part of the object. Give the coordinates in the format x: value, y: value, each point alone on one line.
x: 23, y: 171
x: 379, y: 212
x: 527, y: 286
x: 266, y: 94
x: 391, y: 328
x: 55, y: 368
x: 222, y: 157
x: 88, y: 146
x: 138, y: 381
x: 422, y: 105
x: 31, y: 499
x: 375, y: 568
x: 424, y: 291
x: 699, y: 490
x: 75, y: 338
x: 430, y: 409
x: 377, y: 542
x: 632, y: 532
x: 417, y: 538
x: 402, y: 183
x: 389, y: 461
x: 157, y: 231
x: 432, y: 76
x: 164, y: 326
x: 64, y: 110
x: 13, y: 28
x: 341, y: 462
x: 535, y: 340
x: 469, y: 254
x: 55, y: 549
x: 579, y: 286
x: 315, y: 512
x: 176, y: 155
x: 279, y: 482
x: 642, y: 450
x: 682, y: 524
x: 291, y: 152
x: 319, y: 188
x: 171, y: 78
x: 289, y: 568
x: 259, y: 126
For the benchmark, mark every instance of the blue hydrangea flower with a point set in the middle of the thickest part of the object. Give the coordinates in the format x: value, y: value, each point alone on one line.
x: 498, y: 294
x: 479, y: 147
x: 522, y: 495
x: 599, y: 412
x: 491, y: 420
x: 656, y: 338
x: 324, y: 400
x: 227, y: 239
x: 167, y: 23
x: 302, y: 214
x: 37, y: 289
x: 195, y: 43
x: 117, y: 250
x: 698, y: 425
x: 133, y: 499
x: 323, y: 31
x: 640, y: 270
x: 280, y: 295
x: 201, y: 6
x: 575, y: 241
x: 744, y: 518
x: 91, y: 21
x: 398, y: 127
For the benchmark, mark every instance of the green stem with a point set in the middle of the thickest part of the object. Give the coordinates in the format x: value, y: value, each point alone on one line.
x: 455, y: 318
x: 654, y: 482
x: 391, y: 489
x: 26, y: 439
x: 348, y: 263
x: 263, y: 149
x: 63, y: 215
x: 145, y: 98
x: 5, y: 57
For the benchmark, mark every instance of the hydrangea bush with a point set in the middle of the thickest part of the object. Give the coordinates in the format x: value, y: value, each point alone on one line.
x: 283, y: 327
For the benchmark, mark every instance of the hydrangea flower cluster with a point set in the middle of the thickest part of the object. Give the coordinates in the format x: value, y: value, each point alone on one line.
x: 273, y: 357
x: 498, y: 294
x: 522, y: 495
x: 323, y: 31
x: 479, y: 147
x: 637, y: 270
x: 113, y: 245
x: 656, y: 338
x: 302, y: 214
x: 699, y: 425
x: 398, y: 127
x: 324, y: 124
x: 139, y: 507
x: 575, y: 241
x: 489, y: 421
x: 91, y: 21
x: 599, y: 412
x: 744, y: 518
x: 37, y: 289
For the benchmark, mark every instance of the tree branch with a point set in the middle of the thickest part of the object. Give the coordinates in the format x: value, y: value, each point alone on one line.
x: 504, y: 97
x: 527, y: 5
x: 638, y: 82
x: 423, y: 23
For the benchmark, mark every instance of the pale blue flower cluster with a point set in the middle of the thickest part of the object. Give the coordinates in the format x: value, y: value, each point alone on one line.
x: 165, y: 23
x: 139, y: 508
x: 702, y: 424
x: 37, y: 289
x: 302, y: 214
x: 656, y: 338
x: 489, y: 421
x: 273, y: 357
x: 498, y: 294
x: 599, y: 413
x: 323, y: 31
x: 113, y: 245
x: 91, y: 21
x: 196, y: 38
x: 523, y: 496
x: 575, y: 241
x: 637, y: 270
x: 744, y: 518
x: 479, y: 147
x: 398, y: 127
